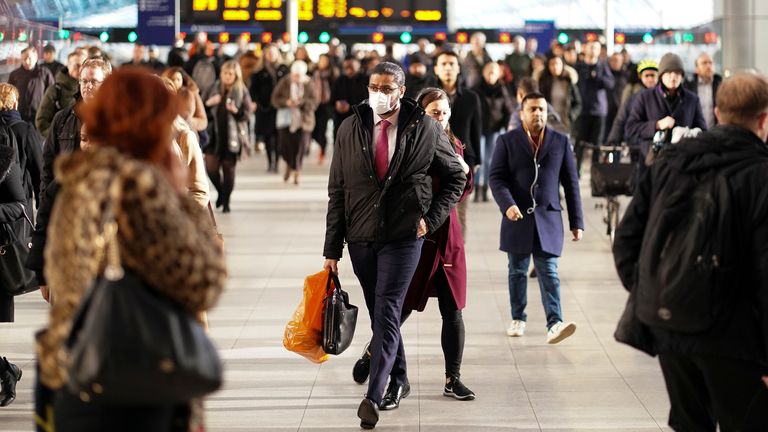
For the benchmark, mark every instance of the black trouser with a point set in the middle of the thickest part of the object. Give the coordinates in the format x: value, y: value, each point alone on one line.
x: 215, y: 166
x: 322, y: 115
x: 452, y: 334
x: 589, y: 130
x: 706, y: 391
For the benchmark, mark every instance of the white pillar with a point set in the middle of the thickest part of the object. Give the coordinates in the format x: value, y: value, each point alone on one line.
x: 609, y: 30
x: 292, y: 23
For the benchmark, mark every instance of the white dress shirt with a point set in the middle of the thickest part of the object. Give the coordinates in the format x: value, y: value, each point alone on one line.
x: 391, y: 133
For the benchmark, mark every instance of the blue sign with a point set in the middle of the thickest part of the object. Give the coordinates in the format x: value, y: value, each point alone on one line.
x: 542, y: 31
x: 157, y: 22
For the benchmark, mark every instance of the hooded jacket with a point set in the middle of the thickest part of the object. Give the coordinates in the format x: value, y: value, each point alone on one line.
x: 742, y: 332
x: 362, y: 208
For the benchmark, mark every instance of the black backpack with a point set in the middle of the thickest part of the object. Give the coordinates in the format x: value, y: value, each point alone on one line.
x: 690, y: 253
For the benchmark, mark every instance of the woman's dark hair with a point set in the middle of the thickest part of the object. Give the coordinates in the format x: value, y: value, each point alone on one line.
x: 186, y: 80
x: 430, y: 94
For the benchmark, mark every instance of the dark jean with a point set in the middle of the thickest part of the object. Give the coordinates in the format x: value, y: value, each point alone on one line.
x: 549, y: 283
x: 487, y: 144
x: 385, y: 271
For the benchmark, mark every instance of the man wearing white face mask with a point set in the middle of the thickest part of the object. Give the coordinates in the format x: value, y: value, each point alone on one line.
x: 381, y: 203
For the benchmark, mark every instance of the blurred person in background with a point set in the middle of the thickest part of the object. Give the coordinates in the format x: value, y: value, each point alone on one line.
x: 230, y: 104
x: 526, y: 86
x: 616, y: 64
x: 518, y: 61
x: 302, y: 54
x: 704, y: 83
x: 31, y: 80
x: 532, y: 47
x: 49, y: 60
x: 153, y: 61
x: 418, y: 77
x: 139, y: 56
x: 595, y: 81
x: 295, y: 95
x: 61, y: 94
x: 323, y: 77
x: 475, y: 60
x: 178, y: 55
x: 497, y: 105
x: 466, y: 115
x: 422, y: 54
x: 29, y: 147
x: 130, y: 170
x: 348, y: 90
x: 263, y: 82
x: 557, y: 86
x: 192, y: 109
x: 12, y: 209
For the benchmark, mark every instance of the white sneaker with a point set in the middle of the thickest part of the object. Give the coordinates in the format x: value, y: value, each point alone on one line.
x: 516, y: 329
x: 558, y: 332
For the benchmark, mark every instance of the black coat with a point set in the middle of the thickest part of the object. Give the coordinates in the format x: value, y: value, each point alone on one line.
x: 414, y: 84
x: 742, y: 332
x: 466, y: 123
x: 12, y: 197
x: 263, y: 83
x: 652, y: 105
x: 361, y: 208
x: 497, y: 104
x: 352, y: 90
x: 30, y: 151
x: 31, y: 85
x: 64, y: 137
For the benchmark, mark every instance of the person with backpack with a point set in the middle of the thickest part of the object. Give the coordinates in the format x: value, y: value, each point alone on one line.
x: 26, y: 142
x: 61, y: 94
x: 692, y: 250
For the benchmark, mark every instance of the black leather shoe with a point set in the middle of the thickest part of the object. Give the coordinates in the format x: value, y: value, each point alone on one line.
x: 362, y: 367
x: 368, y: 412
x: 8, y: 380
x: 393, y: 396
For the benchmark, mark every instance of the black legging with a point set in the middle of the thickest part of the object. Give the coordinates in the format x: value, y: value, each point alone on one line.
x: 322, y: 115
x: 452, y: 334
x: 216, y: 165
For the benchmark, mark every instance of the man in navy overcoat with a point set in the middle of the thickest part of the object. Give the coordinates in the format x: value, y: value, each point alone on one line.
x: 528, y: 167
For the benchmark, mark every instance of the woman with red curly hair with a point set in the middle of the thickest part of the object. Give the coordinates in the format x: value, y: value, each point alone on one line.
x: 128, y: 173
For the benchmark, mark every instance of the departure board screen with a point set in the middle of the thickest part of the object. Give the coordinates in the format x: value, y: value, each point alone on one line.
x: 313, y: 14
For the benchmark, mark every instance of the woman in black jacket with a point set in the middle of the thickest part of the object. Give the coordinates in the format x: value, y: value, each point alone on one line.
x: 561, y: 92
x: 12, y: 199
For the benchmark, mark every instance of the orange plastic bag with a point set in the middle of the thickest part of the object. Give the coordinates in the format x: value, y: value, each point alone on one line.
x: 304, y: 332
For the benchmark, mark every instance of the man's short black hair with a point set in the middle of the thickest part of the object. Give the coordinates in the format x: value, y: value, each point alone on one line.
x: 528, y: 85
x: 531, y: 96
x: 449, y: 53
x: 351, y: 57
x: 49, y: 48
x: 391, y: 69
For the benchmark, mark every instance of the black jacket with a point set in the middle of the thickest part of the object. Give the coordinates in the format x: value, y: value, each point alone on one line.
x: 30, y: 151
x: 353, y: 90
x: 743, y: 331
x: 363, y: 209
x: 64, y: 137
x: 415, y: 84
x: 466, y: 123
x: 263, y: 83
x: 497, y: 104
x: 31, y: 85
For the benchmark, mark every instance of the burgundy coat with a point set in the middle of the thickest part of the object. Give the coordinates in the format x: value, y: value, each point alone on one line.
x: 443, y: 249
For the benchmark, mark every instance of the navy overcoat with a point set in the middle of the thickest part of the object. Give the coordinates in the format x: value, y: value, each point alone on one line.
x: 511, y: 178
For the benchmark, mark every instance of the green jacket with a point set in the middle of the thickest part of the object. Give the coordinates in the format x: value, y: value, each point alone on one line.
x: 56, y: 98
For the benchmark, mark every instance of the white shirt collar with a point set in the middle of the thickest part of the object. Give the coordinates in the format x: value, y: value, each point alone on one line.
x: 392, y: 119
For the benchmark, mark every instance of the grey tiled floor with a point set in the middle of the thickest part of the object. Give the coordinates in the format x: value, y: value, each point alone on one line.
x: 274, y: 237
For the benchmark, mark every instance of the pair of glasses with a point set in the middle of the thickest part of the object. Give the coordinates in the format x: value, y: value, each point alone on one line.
x: 385, y: 90
x: 92, y: 83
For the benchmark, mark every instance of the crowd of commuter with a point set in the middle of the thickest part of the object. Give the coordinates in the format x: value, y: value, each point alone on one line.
x: 409, y: 139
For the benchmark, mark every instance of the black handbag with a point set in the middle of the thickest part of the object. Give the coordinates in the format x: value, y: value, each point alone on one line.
x: 15, y: 278
x: 130, y: 346
x: 339, y: 317
x: 631, y: 331
x: 612, y: 179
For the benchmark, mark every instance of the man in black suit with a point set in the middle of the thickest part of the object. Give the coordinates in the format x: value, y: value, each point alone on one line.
x: 704, y: 83
x: 382, y: 205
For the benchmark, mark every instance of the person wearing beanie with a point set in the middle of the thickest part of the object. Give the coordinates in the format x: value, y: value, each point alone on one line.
x: 704, y: 83
x: 663, y: 107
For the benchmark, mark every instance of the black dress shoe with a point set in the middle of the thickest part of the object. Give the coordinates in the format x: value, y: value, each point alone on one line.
x: 219, y: 201
x: 8, y: 379
x: 393, y: 396
x: 362, y: 367
x: 368, y: 412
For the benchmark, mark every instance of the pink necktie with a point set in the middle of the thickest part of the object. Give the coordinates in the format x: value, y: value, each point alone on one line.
x: 382, y: 150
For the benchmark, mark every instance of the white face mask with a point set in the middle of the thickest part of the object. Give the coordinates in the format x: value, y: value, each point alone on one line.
x: 380, y: 102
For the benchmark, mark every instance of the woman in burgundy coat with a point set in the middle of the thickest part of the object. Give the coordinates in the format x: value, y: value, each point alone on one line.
x: 441, y: 273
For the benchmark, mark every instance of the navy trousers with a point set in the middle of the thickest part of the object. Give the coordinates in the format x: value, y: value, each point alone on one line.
x: 384, y: 272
